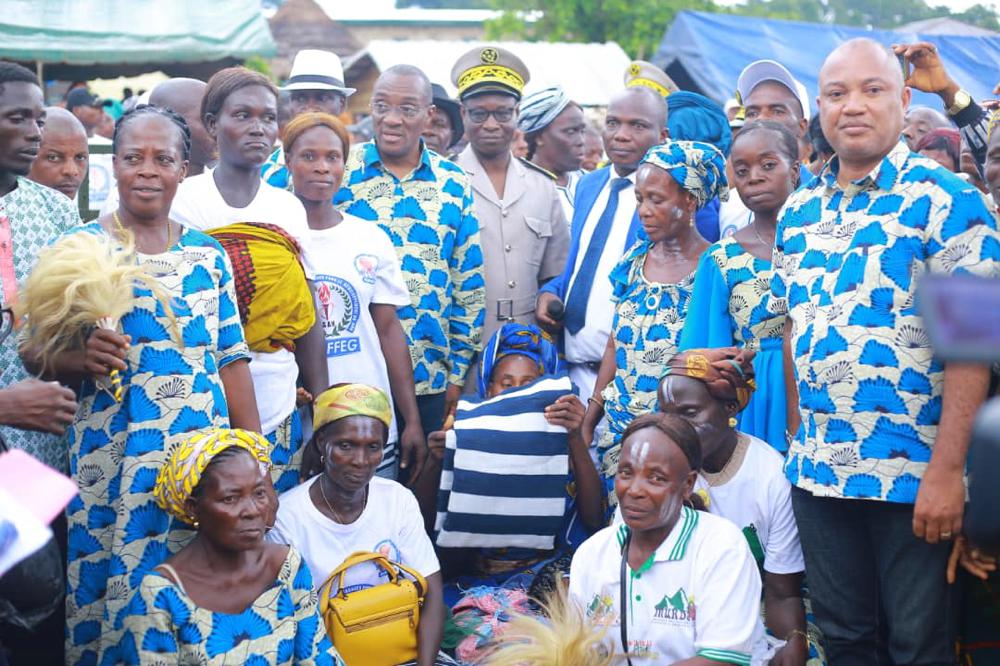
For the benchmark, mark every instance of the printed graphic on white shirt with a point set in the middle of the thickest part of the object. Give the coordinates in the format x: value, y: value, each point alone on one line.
x: 677, y: 609
x: 340, y: 311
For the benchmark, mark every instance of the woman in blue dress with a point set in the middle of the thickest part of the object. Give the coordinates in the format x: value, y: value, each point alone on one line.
x: 180, y: 374
x: 729, y: 305
x: 228, y: 597
x: 651, y: 288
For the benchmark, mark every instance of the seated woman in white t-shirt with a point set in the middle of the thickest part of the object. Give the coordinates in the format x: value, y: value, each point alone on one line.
x: 239, y: 110
x: 346, y: 508
x: 742, y: 480
x: 690, y: 583
x: 359, y: 284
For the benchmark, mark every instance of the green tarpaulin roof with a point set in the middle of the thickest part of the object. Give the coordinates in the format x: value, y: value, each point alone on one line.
x: 131, y: 36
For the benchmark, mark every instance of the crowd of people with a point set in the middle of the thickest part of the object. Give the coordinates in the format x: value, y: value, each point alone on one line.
x: 758, y: 456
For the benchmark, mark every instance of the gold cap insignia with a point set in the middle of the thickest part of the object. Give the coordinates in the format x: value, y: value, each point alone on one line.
x: 634, y: 69
x: 489, y: 55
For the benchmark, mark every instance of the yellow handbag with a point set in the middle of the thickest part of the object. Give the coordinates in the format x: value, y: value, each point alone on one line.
x: 376, y: 625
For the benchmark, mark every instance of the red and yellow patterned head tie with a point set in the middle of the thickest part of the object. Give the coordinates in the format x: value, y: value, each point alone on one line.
x: 727, y: 372
x: 186, y: 464
x: 346, y: 400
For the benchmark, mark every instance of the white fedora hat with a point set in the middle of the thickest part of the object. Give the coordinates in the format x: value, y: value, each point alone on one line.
x: 313, y: 69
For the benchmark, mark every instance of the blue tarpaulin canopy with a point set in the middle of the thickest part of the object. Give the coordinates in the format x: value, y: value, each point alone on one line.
x: 706, y: 52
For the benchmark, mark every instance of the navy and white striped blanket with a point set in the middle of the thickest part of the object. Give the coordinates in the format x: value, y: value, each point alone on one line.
x: 503, y: 482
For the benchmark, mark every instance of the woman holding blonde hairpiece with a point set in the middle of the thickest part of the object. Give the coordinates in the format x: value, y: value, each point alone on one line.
x: 182, y: 360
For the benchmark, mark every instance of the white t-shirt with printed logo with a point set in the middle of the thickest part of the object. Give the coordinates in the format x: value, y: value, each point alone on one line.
x: 758, y: 500
x: 200, y: 205
x: 698, y: 596
x: 390, y: 524
x: 356, y: 266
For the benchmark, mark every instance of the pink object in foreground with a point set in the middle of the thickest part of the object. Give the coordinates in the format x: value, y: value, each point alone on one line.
x: 38, y: 488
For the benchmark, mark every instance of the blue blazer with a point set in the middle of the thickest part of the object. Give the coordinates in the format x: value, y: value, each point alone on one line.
x: 587, y: 191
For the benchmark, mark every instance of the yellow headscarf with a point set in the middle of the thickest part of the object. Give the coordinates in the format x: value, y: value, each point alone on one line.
x: 346, y: 400
x: 186, y: 463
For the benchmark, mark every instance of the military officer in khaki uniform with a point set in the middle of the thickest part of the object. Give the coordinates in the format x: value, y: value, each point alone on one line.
x: 524, y: 234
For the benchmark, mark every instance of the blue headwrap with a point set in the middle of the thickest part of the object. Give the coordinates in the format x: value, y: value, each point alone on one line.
x: 700, y: 168
x: 694, y: 117
x: 514, y: 338
x: 538, y: 110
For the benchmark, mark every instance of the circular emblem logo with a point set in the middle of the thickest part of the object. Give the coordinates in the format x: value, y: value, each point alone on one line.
x: 634, y: 69
x: 489, y: 55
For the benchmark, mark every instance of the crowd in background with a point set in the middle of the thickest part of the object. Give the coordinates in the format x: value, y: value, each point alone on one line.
x: 706, y: 316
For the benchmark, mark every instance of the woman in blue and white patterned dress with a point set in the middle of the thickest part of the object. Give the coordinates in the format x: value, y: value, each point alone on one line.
x: 651, y: 288
x: 180, y: 374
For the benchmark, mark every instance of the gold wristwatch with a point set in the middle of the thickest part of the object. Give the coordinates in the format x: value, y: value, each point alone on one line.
x: 962, y: 100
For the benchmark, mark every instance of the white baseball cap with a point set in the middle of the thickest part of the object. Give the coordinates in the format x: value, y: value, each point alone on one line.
x: 313, y: 69
x: 769, y: 70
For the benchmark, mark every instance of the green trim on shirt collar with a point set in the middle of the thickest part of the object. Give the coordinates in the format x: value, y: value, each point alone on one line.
x: 685, y: 526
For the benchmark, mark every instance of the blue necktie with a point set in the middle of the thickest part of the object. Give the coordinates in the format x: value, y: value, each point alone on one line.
x: 576, y: 303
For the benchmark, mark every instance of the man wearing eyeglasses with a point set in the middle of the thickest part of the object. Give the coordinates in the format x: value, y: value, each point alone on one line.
x: 525, y: 236
x: 424, y: 202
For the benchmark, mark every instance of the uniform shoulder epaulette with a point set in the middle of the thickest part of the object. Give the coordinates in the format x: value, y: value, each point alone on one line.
x: 535, y: 167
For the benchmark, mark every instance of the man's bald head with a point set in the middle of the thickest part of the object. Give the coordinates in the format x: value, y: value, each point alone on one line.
x: 642, y: 100
x: 178, y: 93
x: 403, y: 75
x: 861, y: 102
x: 60, y: 121
x: 63, y: 156
x: 184, y: 96
x: 919, y: 121
x: 876, y: 56
x: 636, y: 121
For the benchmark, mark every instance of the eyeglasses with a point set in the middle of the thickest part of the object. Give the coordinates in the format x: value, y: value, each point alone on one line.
x: 479, y: 116
x: 406, y: 110
x: 6, y: 322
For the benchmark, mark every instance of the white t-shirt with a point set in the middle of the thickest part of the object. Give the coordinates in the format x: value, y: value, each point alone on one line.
x: 390, y: 524
x: 733, y: 215
x: 356, y: 266
x: 200, y: 205
x: 698, y: 596
x: 588, y: 344
x: 102, y: 176
x: 758, y: 500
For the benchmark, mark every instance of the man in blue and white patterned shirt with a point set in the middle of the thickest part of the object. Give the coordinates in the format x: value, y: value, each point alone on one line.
x: 878, y: 460
x: 424, y: 202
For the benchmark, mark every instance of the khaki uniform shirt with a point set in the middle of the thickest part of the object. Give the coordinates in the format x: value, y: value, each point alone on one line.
x: 524, y: 238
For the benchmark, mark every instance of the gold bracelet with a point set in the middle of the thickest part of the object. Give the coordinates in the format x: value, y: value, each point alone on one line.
x: 797, y: 632
x: 594, y: 400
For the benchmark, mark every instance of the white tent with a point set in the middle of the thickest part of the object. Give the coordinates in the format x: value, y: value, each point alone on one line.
x: 589, y: 73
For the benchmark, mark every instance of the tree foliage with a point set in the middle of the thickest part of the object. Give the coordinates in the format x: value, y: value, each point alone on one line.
x: 639, y: 25
x: 885, y: 14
